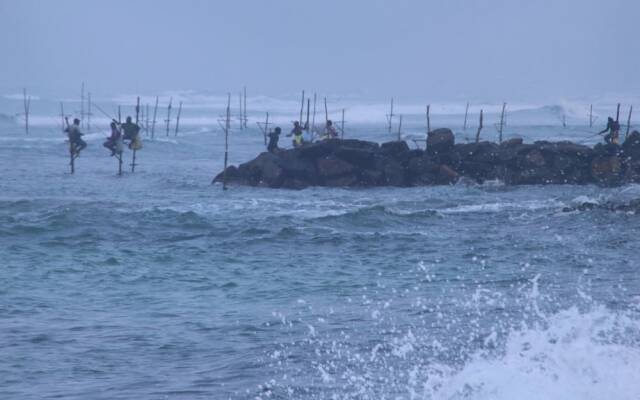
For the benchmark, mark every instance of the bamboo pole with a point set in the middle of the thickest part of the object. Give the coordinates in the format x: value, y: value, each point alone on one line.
x: 133, y: 161
x: 504, y: 105
x: 342, y: 126
x: 62, y: 115
x: 82, y: 122
x: 479, y: 128
x: 146, y: 124
x: 137, y: 110
x: 169, y: 115
x: 390, y: 117
x: 466, y: 113
x: 155, y: 113
x: 245, y: 107
x: 326, y: 112
x: 628, y: 122
x: 428, y: 118
x: 301, y: 108
x: 119, y: 157
x: 72, y: 156
x: 178, y: 118
x: 266, y: 128
x: 27, y: 105
x: 400, y: 128
x: 313, y: 118
x: 306, y: 124
x: 226, y: 143
x: 89, y: 111
x: 240, y: 105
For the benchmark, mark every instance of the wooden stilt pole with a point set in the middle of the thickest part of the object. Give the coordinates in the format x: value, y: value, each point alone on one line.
x: 466, y: 113
x: 119, y: 157
x: 240, y: 116
x: 62, y: 115
x: 138, y: 110
x: 618, y: 113
x: 400, y: 127
x: 590, y: 115
x: 27, y: 105
x: 479, y: 128
x: 119, y: 116
x: 301, y: 107
x: 245, y: 107
x: 428, y: 118
x: 82, y: 121
x: 313, y: 118
x: 133, y: 161
x: 306, y: 124
x: 226, y: 143
x: 564, y: 120
x: 326, y: 112
x: 266, y: 128
x: 504, y: 105
x: 342, y: 126
x: 146, y: 124
x: 89, y: 111
x: 628, y: 122
x: 155, y: 113
x: 178, y: 118
x: 390, y: 116
x: 169, y: 115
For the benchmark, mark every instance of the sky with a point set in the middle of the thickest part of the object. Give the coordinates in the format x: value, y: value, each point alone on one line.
x: 445, y: 50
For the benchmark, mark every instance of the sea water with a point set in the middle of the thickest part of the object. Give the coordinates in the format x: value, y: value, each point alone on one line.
x: 158, y: 285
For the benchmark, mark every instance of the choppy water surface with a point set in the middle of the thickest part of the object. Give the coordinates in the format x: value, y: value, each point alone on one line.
x: 159, y: 285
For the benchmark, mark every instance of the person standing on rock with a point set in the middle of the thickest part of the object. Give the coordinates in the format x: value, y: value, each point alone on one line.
x: 613, y: 127
x: 297, y: 134
x: 330, y: 131
x: 274, y: 136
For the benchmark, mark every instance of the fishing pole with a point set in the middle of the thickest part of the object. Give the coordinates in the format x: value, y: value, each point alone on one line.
x: 103, y: 112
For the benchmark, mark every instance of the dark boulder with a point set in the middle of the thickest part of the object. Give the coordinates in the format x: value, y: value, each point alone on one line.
x: 440, y: 141
x: 331, y: 167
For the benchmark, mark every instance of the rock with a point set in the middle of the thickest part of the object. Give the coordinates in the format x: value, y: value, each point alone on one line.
x: 357, y: 157
x: 394, y: 174
x: 631, y: 145
x: 332, y: 167
x: 448, y: 175
x: 440, y: 141
x: 512, y: 142
x: 606, y: 170
x: 357, y: 163
x: 395, y: 148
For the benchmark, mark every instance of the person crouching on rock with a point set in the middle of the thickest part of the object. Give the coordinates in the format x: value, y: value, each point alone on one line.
x: 613, y: 127
x: 297, y: 134
x: 114, y: 142
x: 274, y: 136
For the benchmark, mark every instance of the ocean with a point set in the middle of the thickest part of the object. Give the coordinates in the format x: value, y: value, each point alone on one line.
x: 159, y: 285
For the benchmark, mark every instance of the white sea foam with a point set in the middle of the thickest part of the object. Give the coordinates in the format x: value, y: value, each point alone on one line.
x: 571, y: 355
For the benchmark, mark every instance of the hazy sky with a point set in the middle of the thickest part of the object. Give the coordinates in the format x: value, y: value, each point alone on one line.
x: 488, y: 49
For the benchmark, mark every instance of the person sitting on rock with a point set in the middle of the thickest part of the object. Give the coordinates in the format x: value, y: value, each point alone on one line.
x: 330, y: 131
x: 274, y: 136
x: 613, y: 127
x: 297, y: 134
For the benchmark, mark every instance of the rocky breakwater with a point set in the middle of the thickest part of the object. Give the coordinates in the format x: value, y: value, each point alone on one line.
x: 357, y: 163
